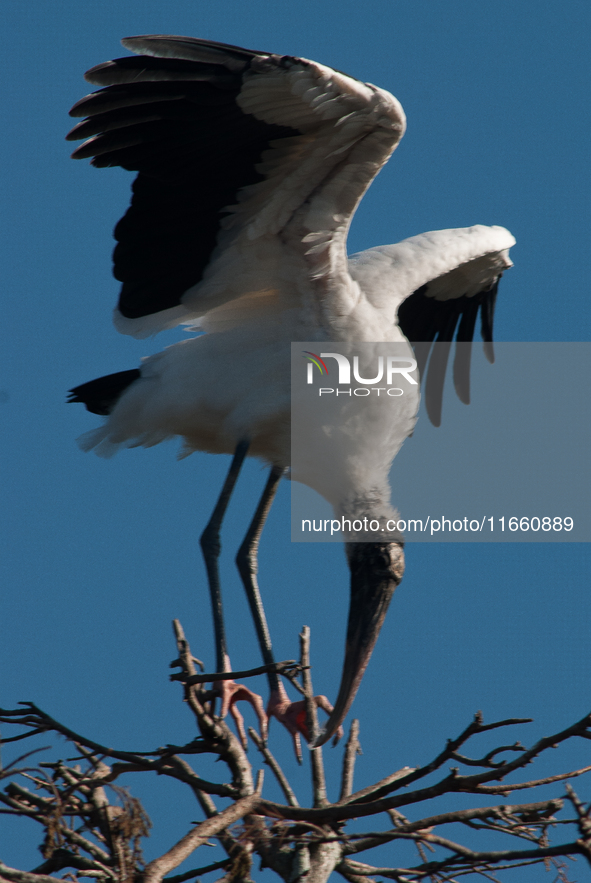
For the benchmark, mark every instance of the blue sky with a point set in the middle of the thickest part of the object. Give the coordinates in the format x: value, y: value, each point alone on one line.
x: 98, y: 556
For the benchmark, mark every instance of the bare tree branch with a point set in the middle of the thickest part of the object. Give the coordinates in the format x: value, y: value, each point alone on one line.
x: 318, y: 778
x: 93, y: 827
x: 196, y: 872
x: 17, y: 876
x: 584, y: 822
x: 274, y: 766
x: 352, y: 749
x: 288, y: 666
x: 229, y: 747
x: 159, y: 867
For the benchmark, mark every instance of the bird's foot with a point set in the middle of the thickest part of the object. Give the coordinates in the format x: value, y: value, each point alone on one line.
x: 294, y: 718
x: 230, y: 693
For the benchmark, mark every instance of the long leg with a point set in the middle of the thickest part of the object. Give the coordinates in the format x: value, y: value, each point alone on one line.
x: 211, y: 546
x: 291, y: 714
x: 247, y: 562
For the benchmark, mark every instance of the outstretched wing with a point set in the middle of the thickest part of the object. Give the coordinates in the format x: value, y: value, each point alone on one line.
x: 439, y: 282
x: 229, y: 144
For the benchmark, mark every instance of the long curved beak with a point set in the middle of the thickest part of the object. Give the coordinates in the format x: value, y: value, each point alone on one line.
x: 376, y: 570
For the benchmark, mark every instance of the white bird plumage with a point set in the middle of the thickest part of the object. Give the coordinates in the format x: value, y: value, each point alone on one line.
x: 251, y: 166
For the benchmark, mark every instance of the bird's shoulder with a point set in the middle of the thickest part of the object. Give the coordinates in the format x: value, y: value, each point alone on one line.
x: 437, y: 284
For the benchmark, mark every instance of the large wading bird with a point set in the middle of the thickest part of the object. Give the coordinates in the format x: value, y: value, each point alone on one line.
x: 251, y: 166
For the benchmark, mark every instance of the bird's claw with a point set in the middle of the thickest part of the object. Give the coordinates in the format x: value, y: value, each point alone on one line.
x: 293, y: 716
x: 230, y: 693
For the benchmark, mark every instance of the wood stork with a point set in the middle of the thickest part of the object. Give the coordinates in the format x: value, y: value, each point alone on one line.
x: 251, y: 166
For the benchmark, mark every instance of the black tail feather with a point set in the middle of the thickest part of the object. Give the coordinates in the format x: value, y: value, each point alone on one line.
x: 101, y: 395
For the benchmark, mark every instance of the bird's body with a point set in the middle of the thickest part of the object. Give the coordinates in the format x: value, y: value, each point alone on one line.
x: 233, y: 381
x: 251, y: 166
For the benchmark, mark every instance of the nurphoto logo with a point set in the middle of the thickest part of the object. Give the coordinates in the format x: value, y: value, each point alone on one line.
x: 390, y: 366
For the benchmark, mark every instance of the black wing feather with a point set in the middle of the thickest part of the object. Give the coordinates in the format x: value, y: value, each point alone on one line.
x: 176, y: 122
x: 426, y: 321
x: 463, y: 355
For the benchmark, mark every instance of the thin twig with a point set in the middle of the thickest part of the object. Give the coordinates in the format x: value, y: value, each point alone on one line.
x: 274, y: 766
x: 215, y: 866
x: 318, y: 778
x: 367, y: 793
x: 278, y: 667
x: 352, y: 749
x: 520, y: 786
